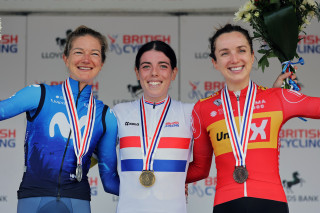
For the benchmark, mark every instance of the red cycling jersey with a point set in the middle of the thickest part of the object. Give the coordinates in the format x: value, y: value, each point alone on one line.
x: 273, y: 107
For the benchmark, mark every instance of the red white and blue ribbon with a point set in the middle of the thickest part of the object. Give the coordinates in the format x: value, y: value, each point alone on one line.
x: 239, y: 142
x: 149, y: 147
x: 81, y: 143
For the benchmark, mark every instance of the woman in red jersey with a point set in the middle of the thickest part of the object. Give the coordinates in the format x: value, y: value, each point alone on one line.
x: 240, y: 124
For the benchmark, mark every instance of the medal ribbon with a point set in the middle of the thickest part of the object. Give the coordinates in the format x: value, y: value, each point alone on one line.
x: 149, y: 149
x: 80, y: 143
x: 239, y: 143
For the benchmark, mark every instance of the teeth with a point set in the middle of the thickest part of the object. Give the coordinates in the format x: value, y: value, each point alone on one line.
x: 235, y: 68
x: 154, y: 83
x: 85, y: 68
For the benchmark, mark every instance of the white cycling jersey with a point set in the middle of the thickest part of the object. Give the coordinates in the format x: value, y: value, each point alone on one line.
x: 169, y: 156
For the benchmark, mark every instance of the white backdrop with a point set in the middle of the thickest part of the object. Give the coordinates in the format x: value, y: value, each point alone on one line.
x: 38, y: 60
x: 12, y: 66
x: 119, y: 5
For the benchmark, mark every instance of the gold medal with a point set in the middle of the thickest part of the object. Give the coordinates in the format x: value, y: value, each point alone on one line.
x: 147, y: 178
x: 240, y: 174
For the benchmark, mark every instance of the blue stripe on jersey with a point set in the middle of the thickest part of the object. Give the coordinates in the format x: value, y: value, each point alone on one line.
x: 158, y: 165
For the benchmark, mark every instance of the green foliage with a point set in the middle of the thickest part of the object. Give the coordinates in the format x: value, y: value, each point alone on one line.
x: 276, y: 25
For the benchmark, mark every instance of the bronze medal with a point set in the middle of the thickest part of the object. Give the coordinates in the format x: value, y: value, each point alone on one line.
x: 240, y: 174
x: 147, y: 178
x: 79, y: 172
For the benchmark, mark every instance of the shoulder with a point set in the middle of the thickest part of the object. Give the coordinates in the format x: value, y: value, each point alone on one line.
x: 100, y: 104
x: 268, y: 91
x: 262, y: 90
x: 214, y: 98
x: 181, y: 107
x: 126, y: 107
x: 31, y: 90
x: 53, y: 89
x: 185, y: 106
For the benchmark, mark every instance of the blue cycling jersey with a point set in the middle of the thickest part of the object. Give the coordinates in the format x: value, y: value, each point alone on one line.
x: 50, y: 160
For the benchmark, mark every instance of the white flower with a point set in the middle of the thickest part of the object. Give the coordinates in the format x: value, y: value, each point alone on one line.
x: 256, y: 14
x: 247, y: 17
x: 249, y: 6
x: 305, y: 21
x: 237, y: 16
x: 311, y: 14
x: 301, y: 28
x: 240, y: 14
x: 309, y: 2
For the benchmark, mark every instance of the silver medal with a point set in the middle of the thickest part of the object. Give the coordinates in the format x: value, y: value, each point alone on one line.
x: 79, y: 172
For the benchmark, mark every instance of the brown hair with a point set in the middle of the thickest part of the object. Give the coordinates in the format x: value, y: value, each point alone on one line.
x: 228, y: 28
x: 83, y: 31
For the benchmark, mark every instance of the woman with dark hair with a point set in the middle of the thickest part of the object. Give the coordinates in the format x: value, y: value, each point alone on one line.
x: 155, y: 137
x: 65, y: 124
x: 241, y: 125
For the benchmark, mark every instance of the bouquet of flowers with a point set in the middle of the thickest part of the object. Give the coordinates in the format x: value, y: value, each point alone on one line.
x: 277, y: 25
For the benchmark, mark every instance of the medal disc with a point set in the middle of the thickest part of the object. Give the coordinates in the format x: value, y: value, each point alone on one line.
x: 147, y: 178
x: 79, y: 172
x: 240, y: 174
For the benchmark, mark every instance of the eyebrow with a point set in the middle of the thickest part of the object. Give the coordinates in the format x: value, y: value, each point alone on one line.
x: 226, y: 49
x: 145, y: 62
x: 163, y: 62
x: 78, y: 48
x: 160, y: 62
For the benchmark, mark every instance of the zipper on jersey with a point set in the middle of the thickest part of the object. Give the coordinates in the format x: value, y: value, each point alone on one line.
x: 237, y: 94
x: 65, y: 150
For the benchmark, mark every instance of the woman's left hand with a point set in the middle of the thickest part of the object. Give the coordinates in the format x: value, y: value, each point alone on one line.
x: 282, y: 77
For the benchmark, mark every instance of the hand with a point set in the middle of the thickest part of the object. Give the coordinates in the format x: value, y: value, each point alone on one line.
x: 282, y: 77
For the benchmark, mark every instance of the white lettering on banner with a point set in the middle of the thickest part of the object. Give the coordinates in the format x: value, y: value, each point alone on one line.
x: 259, y: 130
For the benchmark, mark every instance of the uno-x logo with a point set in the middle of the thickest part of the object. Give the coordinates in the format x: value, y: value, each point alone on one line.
x: 259, y: 131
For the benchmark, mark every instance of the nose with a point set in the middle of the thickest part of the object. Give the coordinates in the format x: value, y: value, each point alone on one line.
x: 154, y: 71
x: 234, y: 58
x: 86, y: 58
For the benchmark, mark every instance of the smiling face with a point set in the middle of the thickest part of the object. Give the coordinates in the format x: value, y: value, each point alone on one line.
x: 155, y: 75
x: 84, y: 60
x: 234, y: 59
